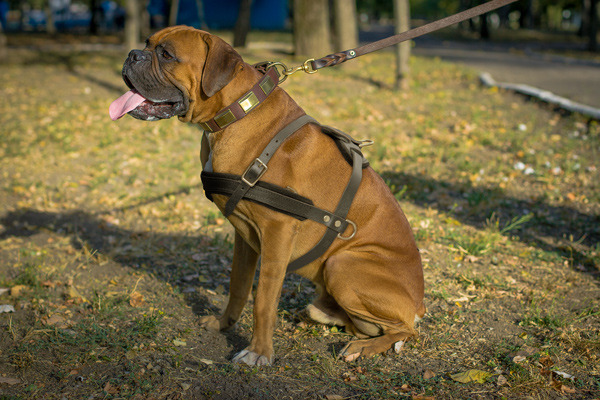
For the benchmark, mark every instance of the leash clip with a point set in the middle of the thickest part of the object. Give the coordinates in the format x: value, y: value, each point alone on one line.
x: 284, y: 71
x: 306, y: 67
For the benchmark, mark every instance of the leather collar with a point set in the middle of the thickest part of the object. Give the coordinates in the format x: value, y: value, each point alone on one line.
x: 242, y: 106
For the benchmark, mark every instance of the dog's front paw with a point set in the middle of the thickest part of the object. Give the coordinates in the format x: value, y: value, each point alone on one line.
x: 210, y: 323
x: 251, y: 358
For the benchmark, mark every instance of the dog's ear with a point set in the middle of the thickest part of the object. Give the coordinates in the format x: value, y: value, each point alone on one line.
x: 221, y: 65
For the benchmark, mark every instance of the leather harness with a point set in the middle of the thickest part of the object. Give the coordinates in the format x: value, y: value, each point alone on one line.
x: 249, y: 187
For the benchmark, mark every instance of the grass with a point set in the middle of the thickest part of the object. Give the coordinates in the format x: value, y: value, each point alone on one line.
x: 112, y: 252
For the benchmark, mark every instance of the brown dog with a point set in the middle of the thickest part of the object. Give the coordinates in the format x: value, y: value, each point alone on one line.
x: 372, y: 284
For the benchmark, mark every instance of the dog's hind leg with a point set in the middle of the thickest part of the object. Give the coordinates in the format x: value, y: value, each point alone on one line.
x: 378, y: 301
x: 326, y: 310
x: 243, y: 269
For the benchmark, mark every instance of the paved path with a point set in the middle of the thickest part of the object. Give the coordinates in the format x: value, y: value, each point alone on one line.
x: 577, y: 80
x: 519, y: 63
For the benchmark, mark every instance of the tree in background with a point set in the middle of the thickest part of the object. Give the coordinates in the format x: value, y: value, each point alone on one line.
x: 593, y: 29
x: 311, y: 28
x: 2, y: 42
x: 402, y: 24
x: 132, y: 23
x: 242, y: 24
x: 345, y: 24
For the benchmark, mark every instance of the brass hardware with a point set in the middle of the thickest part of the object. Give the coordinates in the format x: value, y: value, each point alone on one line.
x: 327, y: 218
x: 306, y: 67
x: 248, y: 102
x: 225, y: 119
x: 338, y: 223
x: 353, y: 233
x: 285, y: 71
x: 267, y: 85
x: 205, y: 127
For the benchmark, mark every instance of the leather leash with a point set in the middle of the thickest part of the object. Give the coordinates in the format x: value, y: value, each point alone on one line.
x: 311, y: 66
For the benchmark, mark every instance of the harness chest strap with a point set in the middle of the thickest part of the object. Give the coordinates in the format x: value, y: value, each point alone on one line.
x: 249, y: 187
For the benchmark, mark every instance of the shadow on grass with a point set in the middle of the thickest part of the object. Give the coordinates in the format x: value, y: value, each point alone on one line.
x: 71, y: 60
x: 564, y: 231
x: 87, y: 229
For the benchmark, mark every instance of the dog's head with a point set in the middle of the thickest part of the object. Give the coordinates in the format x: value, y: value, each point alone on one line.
x: 177, y: 72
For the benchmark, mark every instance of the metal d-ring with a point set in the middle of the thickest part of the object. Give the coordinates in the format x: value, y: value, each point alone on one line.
x: 365, y: 143
x: 351, y: 235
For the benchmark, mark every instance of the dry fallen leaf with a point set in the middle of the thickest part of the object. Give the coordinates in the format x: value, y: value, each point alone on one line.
x: 108, y: 388
x: 74, y: 295
x: 56, y: 320
x: 502, y: 380
x: 136, y: 299
x: 567, y: 389
x: 16, y: 290
x: 563, y: 375
x: 9, y: 381
x: 5, y: 308
x: 179, y: 343
x: 472, y: 375
x: 405, y: 388
x: 333, y: 397
x: 428, y: 374
x: 519, y: 359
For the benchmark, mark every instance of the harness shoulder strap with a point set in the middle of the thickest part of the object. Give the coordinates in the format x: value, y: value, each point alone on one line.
x: 259, y: 166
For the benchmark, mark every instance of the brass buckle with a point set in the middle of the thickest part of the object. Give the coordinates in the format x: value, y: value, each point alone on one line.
x: 264, y: 169
x: 351, y: 235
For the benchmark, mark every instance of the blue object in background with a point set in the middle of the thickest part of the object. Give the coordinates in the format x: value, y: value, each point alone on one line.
x: 222, y: 14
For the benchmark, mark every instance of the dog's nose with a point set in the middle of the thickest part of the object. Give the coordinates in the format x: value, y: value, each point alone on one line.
x: 136, y: 55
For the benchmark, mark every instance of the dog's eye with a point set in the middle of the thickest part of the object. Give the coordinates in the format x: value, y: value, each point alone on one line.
x: 166, y: 55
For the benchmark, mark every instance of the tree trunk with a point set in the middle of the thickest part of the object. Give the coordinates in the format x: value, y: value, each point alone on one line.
x: 484, y: 27
x: 174, y: 10
x: 345, y: 23
x: 50, y: 26
x: 200, y: 9
x: 585, y: 18
x: 311, y: 28
x: 242, y: 24
x: 95, y: 18
x: 593, y: 43
x: 402, y: 24
x: 2, y: 42
x: 132, y: 24
x: 145, y: 29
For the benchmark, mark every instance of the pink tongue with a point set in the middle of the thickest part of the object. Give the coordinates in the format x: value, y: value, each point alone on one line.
x: 124, y: 104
